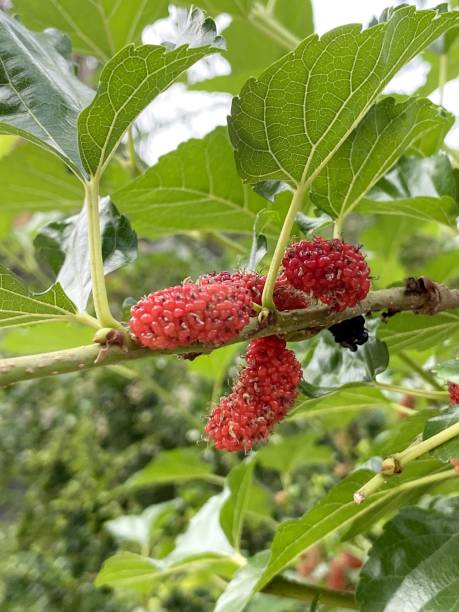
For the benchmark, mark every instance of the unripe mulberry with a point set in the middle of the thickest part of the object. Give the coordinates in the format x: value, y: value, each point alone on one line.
x: 453, y: 390
x: 262, y: 395
x: 285, y: 296
x: 182, y: 315
x: 333, y: 271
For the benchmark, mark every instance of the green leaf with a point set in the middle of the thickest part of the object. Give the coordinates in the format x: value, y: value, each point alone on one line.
x: 18, y: 306
x: 41, y: 96
x: 420, y: 332
x: 259, y: 248
x: 195, y: 187
x: 138, y: 528
x: 172, y: 465
x: 293, y: 452
x: 334, y: 512
x: 240, y: 590
x: 418, y: 188
x: 63, y: 246
x: 34, y: 181
x: 449, y: 450
x: 414, y: 565
x: 341, y: 406
x: 97, y: 28
x: 130, y: 81
x: 434, y: 59
x: 388, y: 131
x: 448, y: 370
x: 441, y: 268
x: 239, y: 482
x: 128, y: 570
x: 330, y: 366
x: 287, y: 124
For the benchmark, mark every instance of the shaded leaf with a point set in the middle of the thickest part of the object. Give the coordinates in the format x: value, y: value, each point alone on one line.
x: 214, y: 365
x: 279, y: 137
x: 129, y: 82
x: 420, y: 332
x: 41, y: 96
x: 419, y: 188
x: 340, y: 406
x: 239, y: 482
x: 386, y: 133
x: 170, y: 466
x: 63, y: 246
x: 331, y: 367
x: 414, y: 565
x: 449, y: 450
x: 18, y: 306
x: 96, y: 28
x: 52, y: 336
x: 195, y: 187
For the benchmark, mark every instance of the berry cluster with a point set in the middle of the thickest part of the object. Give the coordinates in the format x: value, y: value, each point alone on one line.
x: 453, y: 390
x: 181, y: 315
x: 333, y: 271
x: 262, y: 395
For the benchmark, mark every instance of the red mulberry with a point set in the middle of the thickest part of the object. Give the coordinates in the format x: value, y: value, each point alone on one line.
x: 262, y: 395
x: 333, y: 271
x: 286, y: 297
x: 182, y: 315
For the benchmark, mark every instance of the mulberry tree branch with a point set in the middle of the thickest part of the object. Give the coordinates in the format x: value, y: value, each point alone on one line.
x: 301, y: 324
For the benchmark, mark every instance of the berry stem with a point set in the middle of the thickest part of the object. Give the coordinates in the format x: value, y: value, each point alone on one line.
x: 282, y: 242
x: 398, y: 461
x: 99, y: 291
x: 338, y: 227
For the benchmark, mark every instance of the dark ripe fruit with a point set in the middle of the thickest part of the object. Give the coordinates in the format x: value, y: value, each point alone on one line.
x: 262, y: 395
x: 351, y: 333
x: 453, y: 391
x: 333, y: 271
x: 182, y: 315
x: 285, y: 296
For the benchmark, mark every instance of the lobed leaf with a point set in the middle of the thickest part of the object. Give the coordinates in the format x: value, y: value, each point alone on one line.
x: 129, y: 81
x: 387, y: 132
x: 289, y: 123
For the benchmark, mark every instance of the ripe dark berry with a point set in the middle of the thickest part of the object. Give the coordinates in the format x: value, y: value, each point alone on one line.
x: 182, y: 315
x: 262, y: 395
x: 285, y: 297
x: 333, y: 271
x: 350, y: 333
x: 453, y: 390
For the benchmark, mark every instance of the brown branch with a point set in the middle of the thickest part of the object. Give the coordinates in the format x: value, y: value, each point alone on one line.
x: 301, y: 323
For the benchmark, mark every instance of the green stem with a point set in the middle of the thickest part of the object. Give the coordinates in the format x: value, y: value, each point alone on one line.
x: 87, y: 319
x: 397, y: 462
x: 99, y: 291
x: 282, y: 242
x: 338, y: 227
x: 307, y: 592
x: 226, y: 242
x: 426, y: 376
x: 442, y: 76
x: 434, y: 395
